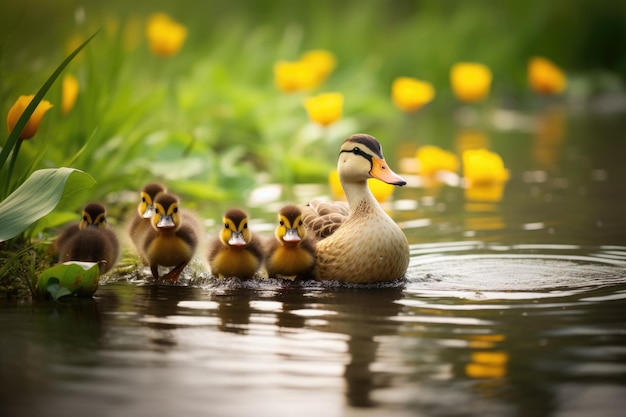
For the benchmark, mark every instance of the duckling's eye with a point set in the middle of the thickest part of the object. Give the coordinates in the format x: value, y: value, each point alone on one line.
x: 175, y: 209
x: 143, y: 199
x: 282, y: 223
x: 85, y: 219
x: 300, y: 224
x: 226, y: 226
x: 356, y: 150
x: 245, y: 226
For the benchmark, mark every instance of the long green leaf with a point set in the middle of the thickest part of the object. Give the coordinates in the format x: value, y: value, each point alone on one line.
x: 30, y: 109
x: 36, y: 197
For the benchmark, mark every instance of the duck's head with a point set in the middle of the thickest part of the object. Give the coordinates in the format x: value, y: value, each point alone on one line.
x: 94, y: 215
x: 166, y: 212
x: 361, y: 157
x: 235, y: 231
x: 148, y: 195
x: 290, y: 225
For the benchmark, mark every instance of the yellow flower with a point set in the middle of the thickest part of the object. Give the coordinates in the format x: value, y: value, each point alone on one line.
x: 323, y: 62
x: 485, y: 193
x: 432, y: 159
x: 324, y: 109
x: 35, y: 119
x: 381, y: 190
x: 470, y: 81
x: 294, y: 75
x: 481, y: 167
x: 410, y: 94
x: 487, y: 364
x: 544, y: 77
x: 165, y: 36
x: 69, y: 93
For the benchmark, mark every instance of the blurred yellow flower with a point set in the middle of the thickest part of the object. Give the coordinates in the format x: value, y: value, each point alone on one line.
x: 165, y: 36
x: 324, y: 109
x: 381, y: 190
x: 410, y: 94
x: 35, y: 119
x: 432, y: 159
x: 545, y: 77
x: 322, y: 61
x: 481, y: 167
x: 485, y: 193
x: 69, y: 93
x: 487, y: 364
x: 470, y: 81
x: 294, y: 75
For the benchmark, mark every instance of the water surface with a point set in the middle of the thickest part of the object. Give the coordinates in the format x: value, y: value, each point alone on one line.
x: 511, y: 307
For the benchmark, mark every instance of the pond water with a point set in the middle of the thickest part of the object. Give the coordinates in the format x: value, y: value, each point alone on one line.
x: 510, y: 307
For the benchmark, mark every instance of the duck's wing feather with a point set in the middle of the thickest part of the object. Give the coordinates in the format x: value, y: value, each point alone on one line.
x: 322, y: 218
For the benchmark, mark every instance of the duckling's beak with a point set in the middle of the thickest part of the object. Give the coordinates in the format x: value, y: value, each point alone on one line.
x: 166, y: 222
x: 381, y: 171
x: 291, y: 236
x: 236, y: 239
x: 149, y: 211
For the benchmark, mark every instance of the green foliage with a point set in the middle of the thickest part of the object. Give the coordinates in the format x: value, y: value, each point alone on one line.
x: 79, y: 279
x: 36, y: 197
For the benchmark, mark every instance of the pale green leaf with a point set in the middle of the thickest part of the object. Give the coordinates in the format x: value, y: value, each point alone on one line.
x: 75, y: 278
x: 38, y: 196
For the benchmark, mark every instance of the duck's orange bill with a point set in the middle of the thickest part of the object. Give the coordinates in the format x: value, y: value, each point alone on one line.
x: 381, y: 171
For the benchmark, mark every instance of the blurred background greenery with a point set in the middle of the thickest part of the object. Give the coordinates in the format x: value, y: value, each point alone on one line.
x: 210, y: 120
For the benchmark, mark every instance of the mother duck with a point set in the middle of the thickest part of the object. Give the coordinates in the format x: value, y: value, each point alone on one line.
x: 360, y: 243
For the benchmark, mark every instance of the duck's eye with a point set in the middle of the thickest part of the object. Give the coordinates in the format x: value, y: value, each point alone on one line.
x: 226, y: 226
x: 245, y: 226
x: 282, y: 223
x: 356, y: 150
x: 300, y: 224
x: 175, y: 209
x: 143, y: 199
x: 85, y: 219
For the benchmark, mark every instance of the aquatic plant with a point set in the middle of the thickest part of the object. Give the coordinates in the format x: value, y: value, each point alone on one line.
x: 165, y: 35
x: 482, y: 166
x: 69, y: 93
x: 410, y: 94
x: 470, y: 81
x: 33, y: 123
x: 544, y: 77
x: 324, y: 109
x: 433, y: 159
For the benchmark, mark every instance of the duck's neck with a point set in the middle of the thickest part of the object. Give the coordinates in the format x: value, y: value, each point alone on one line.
x: 360, y: 197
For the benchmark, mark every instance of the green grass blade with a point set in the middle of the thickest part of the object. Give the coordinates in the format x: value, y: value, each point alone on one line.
x: 14, y: 135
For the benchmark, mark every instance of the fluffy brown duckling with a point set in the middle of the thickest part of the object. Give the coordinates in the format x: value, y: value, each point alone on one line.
x: 173, y: 239
x: 141, y: 224
x: 237, y: 252
x: 292, y: 254
x: 91, y: 240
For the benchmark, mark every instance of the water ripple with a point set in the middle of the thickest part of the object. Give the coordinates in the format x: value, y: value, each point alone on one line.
x: 479, y: 271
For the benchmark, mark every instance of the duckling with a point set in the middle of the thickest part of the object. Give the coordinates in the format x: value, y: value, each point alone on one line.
x: 237, y: 252
x: 364, y: 244
x: 140, y: 224
x: 291, y: 254
x: 91, y: 240
x: 173, y: 239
